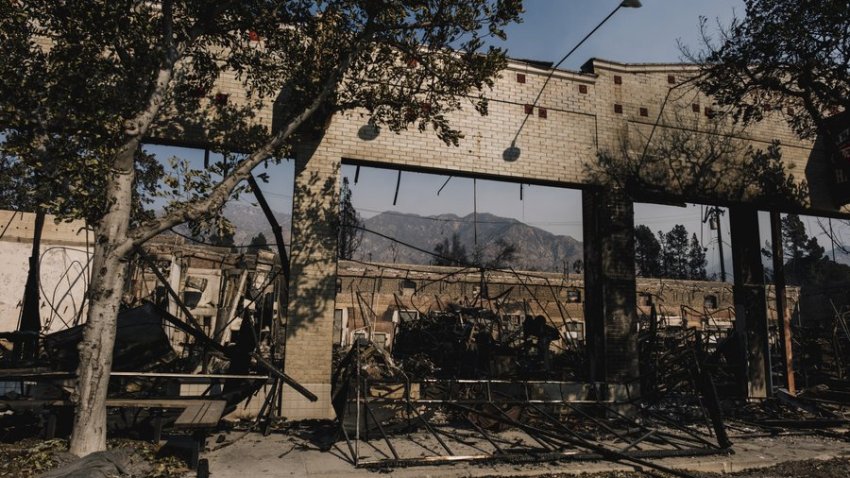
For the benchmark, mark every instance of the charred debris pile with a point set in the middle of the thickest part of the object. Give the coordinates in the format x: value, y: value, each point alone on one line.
x: 171, y: 370
x: 469, y: 384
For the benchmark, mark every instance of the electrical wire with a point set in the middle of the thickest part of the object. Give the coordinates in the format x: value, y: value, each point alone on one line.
x: 554, y: 68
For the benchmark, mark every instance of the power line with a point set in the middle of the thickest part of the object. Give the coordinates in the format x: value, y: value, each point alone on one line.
x: 622, y: 4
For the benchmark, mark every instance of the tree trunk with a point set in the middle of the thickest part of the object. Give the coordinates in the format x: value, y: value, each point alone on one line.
x: 109, y: 268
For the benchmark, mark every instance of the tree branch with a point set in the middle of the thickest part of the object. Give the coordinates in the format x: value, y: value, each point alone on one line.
x: 222, y: 191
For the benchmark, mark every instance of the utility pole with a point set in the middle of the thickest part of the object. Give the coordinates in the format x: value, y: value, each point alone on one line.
x: 717, y: 213
x: 30, y: 324
x: 713, y: 214
x: 782, y: 301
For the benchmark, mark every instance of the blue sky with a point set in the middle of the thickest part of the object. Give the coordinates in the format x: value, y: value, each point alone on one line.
x: 648, y: 34
x: 549, y: 30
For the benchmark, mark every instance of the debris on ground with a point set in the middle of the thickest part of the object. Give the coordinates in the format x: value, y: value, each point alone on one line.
x: 102, y: 464
x: 50, y: 459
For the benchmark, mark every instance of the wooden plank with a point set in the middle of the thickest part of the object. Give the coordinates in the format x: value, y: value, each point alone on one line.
x: 203, y: 414
x: 24, y: 404
x: 188, y: 417
x: 24, y: 374
x: 153, y: 402
x: 189, y: 375
x: 35, y: 374
x: 197, y: 414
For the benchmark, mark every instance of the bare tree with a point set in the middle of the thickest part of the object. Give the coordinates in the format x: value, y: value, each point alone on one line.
x: 789, y: 56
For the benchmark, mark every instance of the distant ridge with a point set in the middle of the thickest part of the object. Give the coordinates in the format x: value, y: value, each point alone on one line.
x: 537, y: 249
x: 249, y: 221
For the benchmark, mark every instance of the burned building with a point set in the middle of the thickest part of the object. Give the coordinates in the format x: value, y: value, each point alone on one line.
x: 216, y: 287
x: 588, y: 112
x: 555, y: 141
x: 372, y: 298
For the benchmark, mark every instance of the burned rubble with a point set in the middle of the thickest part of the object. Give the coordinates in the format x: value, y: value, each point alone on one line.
x: 468, y: 384
x: 175, y: 372
x: 501, y: 375
x: 469, y: 360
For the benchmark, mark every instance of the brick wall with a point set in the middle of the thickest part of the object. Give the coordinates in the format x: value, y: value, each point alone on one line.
x: 585, y: 112
x: 313, y: 278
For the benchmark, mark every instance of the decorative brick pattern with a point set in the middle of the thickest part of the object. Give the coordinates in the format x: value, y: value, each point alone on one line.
x: 581, y: 122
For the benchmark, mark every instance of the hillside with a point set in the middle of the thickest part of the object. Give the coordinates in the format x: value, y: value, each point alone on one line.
x: 249, y: 221
x: 537, y: 249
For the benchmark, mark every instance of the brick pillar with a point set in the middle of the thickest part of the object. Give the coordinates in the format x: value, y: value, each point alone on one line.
x: 609, y: 283
x: 750, y: 302
x: 309, y: 331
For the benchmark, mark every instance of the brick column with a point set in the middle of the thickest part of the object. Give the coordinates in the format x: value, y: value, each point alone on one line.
x: 309, y: 331
x: 750, y: 302
x: 609, y: 284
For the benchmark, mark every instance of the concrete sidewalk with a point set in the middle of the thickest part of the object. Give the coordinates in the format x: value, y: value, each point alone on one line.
x: 248, y: 455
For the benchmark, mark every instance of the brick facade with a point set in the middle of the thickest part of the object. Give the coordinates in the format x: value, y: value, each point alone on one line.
x: 580, y: 120
x: 585, y: 112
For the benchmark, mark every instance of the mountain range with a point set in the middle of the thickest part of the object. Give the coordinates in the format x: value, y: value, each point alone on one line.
x: 248, y: 221
x: 536, y: 249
